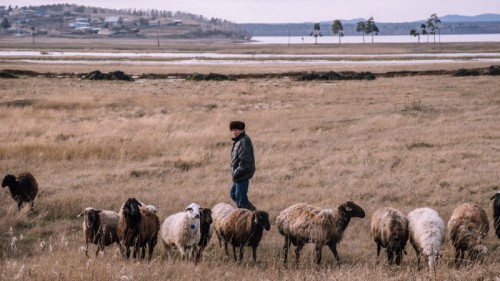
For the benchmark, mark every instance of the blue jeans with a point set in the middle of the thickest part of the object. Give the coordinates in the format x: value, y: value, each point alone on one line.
x: 239, y: 192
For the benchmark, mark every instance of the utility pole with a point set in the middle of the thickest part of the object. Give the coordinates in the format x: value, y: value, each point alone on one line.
x: 289, y: 38
x: 157, y: 36
x: 33, y: 29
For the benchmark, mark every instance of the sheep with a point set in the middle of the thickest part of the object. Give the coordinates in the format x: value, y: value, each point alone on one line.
x: 23, y: 189
x: 496, y: 213
x: 137, y: 227
x: 427, y: 233
x: 100, y: 227
x: 205, y: 230
x: 468, y: 226
x: 220, y: 211
x: 182, y: 230
x: 302, y: 223
x: 389, y: 228
x: 243, y: 227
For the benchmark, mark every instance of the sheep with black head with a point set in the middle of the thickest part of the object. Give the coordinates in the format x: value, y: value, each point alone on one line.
x: 23, y: 189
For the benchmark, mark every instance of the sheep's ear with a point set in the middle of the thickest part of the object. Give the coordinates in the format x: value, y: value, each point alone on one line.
x: 98, y: 211
x: 81, y: 214
x: 347, y: 208
x: 188, y: 209
x: 493, y: 197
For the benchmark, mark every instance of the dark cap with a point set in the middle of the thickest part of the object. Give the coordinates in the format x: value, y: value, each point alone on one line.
x: 240, y: 125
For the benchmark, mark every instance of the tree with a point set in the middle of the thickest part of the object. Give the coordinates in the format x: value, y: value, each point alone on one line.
x: 337, y: 28
x: 5, y: 24
x: 371, y: 27
x: 416, y: 33
x: 361, y: 27
x: 316, y: 32
x: 433, y: 25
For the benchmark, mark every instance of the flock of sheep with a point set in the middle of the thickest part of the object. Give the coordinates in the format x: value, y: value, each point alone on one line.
x: 137, y: 226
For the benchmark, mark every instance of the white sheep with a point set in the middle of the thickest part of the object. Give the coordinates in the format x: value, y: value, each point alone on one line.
x: 182, y: 230
x: 219, y: 212
x: 100, y: 227
x: 467, y: 227
x: 302, y: 223
x: 389, y: 228
x: 427, y: 234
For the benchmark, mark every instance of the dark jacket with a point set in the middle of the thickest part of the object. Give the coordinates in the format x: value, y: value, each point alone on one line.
x: 242, y: 158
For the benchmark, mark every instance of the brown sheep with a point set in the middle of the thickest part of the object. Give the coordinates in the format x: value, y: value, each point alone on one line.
x: 23, y: 189
x: 100, y: 227
x: 496, y: 213
x: 137, y: 228
x: 389, y: 228
x: 302, y: 223
x: 468, y: 226
x: 242, y: 228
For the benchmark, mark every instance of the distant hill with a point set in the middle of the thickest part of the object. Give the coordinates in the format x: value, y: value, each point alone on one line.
x: 450, y: 24
x: 478, y: 18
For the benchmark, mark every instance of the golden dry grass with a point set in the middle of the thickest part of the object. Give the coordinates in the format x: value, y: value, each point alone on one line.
x: 404, y: 142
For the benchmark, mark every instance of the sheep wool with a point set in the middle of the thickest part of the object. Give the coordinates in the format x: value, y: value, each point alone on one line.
x: 23, y: 189
x: 389, y: 228
x: 182, y: 230
x: 427, y: 233
x: 219, y: 212
x: 242, y: 228
x: 100, y: 227
x: 468, y: 227
x: 137, y: 228
x: 302, y: 223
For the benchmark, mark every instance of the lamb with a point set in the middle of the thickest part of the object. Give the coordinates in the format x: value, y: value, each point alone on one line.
x: 23, y: 189
x: 182, y: 230
x: 389, y: 228
x: 302, y: 223
x: 205, y: 230
x: 468, y: 226
x: 100, y: 227
x: 427, y: 234
x: 137, y: 228
x: 496, y: 213
x: 243, y: 227
x: 219, y: 212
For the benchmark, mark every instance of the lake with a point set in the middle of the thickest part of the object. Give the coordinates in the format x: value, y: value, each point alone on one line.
x: 376, y: 39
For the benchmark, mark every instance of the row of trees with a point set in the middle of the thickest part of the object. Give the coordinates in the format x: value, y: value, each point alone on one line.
x: 428, y: 28
x: 369, y: 27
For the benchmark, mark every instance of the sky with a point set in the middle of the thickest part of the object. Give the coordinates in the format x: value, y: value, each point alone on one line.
x: 297, y: 11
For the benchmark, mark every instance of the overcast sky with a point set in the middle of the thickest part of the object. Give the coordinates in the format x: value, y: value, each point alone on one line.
x: 296, y: 11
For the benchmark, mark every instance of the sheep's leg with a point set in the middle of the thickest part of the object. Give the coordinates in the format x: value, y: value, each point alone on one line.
x: 32, y: 205
x: 286, y: 246
x: 254, y: 253
x: 86, y: 248
x: 234, y: 252
x: 378, y: 251
x: 317, y: 256
x: 19, y: 205
x: 333, y: 248
x: 225, y: 248
x: 399, y: 255
x: 242, y: 247
x: 297, y: 252
x: 143, y: 252
x: 459, y: 256
x: 390, y: 255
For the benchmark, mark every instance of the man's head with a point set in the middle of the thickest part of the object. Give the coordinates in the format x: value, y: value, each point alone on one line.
x: 236, y: 127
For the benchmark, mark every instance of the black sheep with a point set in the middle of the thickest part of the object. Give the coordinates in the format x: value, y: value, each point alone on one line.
x: 23, y: 188
x: 496, y: 213
x: 205, y: 231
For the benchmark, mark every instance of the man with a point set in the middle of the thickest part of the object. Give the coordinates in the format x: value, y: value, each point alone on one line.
x: 242, y: 164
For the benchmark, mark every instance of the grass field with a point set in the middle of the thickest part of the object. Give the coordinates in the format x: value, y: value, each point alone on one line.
x: 405, y: 142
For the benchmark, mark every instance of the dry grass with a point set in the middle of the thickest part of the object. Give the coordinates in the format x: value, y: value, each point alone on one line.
x: 403, y: 142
